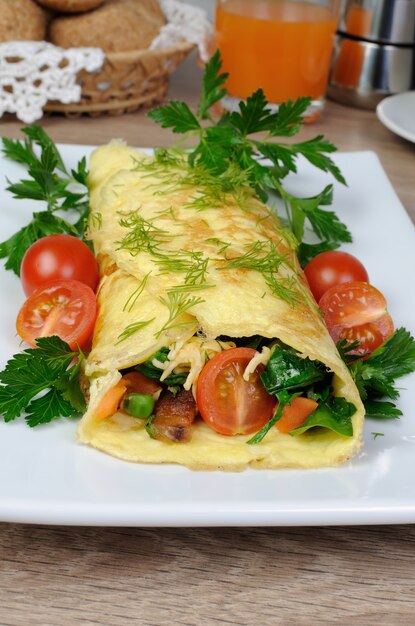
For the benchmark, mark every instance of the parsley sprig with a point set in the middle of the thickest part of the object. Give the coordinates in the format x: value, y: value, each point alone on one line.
x: 375, y: 377
x: 43, y: 382
x: 50, y: 182
x: 232, y: 142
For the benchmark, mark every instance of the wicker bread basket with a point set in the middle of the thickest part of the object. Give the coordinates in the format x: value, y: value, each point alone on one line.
x: 126, y: 82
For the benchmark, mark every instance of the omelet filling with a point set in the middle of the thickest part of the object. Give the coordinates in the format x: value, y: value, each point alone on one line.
x: 175, y: 371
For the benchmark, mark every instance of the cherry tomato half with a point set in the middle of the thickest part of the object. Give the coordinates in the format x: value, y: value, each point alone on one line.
x: 357, y: 311
x: 66, y: 308
x: 58, y: 257
x: 333, y: 268
x: 229, y: 404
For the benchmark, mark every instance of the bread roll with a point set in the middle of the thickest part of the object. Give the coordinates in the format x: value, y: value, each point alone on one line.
x: 70, y: 6
x: 117, y: 26
x: 21, y: 20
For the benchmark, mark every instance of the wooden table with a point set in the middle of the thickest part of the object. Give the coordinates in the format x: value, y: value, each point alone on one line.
x: 62, y: 576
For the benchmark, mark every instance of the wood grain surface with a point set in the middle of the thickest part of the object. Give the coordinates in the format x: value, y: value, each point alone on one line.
x: 59, y: 576
x: 69, y: 576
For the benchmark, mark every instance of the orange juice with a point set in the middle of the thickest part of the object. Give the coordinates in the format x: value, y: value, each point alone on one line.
x: 282, y: 46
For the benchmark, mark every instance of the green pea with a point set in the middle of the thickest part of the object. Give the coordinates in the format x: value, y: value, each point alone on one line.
x: 139, y: 405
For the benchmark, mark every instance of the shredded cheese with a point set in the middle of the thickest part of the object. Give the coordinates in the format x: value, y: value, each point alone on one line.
x: 190, y: 355
x: 259, y: 358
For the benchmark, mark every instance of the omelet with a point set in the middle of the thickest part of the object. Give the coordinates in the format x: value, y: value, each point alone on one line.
x: 191, y: 266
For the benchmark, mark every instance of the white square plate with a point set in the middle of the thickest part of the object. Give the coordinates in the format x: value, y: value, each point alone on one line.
x: 48, y: 478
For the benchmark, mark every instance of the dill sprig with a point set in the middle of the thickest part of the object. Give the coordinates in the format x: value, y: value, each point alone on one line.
x: 263, y: 257
x: 95, y: 219
x: 168, y: 212
x: 177, y: 304
x: 192, y: 263
x: 143, y: 235
x: 215, y: 191
x: 132, y: 299
x: 223, y: 245
x: 131, y: 329
x: 188, y: 288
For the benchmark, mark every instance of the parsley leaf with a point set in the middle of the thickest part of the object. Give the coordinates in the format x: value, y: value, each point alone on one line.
x: 43, y: 382
x: 48, y: 182
x: 42, y: 224
x: 212, y: 86
x: 39, y: 136
x: 375, y: 377
x: 232, y: 142
x: 289, y: 119
x: 177, y: 116
x: 314, y: 151
x: 307, y: 251
x: 254, y: 115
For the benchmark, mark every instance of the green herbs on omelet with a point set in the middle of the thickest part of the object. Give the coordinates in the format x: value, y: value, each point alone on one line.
x: 228, y: 155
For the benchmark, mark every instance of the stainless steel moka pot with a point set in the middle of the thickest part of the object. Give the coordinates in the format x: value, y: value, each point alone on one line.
x: 374, y: 53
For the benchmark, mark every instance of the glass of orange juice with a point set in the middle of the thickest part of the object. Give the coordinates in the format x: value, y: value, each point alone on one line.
x: 282, y: 46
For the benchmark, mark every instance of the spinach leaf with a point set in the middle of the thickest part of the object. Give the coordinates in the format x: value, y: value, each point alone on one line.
x: 334, y: 413
x: 154, y: 373
x: 286, y: 370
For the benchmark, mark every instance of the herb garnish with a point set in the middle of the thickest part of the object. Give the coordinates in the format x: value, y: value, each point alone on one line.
x: 177, y: 303
x: 132, y: 329
x: 43, y: 382
x: 143, y: 235
x: 132, y: 299
x: 227, y: 147
x: 375, y: 376
x: 192, y: 263
x: 263, y: 257
x: 49, y: 182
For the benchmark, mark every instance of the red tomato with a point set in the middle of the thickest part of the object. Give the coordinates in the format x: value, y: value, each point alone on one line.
x: 57, y: 257
x: 229, y: 404
x: 66, y: 308
x: 357, y: 311
x: 333, y: 268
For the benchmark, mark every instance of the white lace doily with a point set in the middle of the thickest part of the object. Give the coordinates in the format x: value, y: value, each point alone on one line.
x: 33, y: 72
x: 184, y: 23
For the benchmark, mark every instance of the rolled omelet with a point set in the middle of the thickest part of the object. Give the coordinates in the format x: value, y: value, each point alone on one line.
x: 189, y: 266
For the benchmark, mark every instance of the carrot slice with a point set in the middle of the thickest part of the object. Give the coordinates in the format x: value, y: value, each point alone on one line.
x: 295, y: 414
x: 110, y: 401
